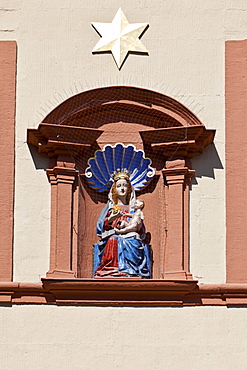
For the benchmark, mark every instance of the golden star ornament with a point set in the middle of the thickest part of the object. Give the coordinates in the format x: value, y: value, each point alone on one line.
x: 120, y: 37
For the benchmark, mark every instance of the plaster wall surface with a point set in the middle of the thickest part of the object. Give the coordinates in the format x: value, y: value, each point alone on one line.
x: 185, y: 41
x: 50, y: 337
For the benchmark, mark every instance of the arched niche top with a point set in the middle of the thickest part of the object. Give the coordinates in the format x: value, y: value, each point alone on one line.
x: 165, y: 125
x: 163, y: 111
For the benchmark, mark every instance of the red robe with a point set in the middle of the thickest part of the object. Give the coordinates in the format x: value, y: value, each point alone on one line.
x: 109, y: 261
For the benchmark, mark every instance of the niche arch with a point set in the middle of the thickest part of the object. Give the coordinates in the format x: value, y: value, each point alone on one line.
x: 168, y: 132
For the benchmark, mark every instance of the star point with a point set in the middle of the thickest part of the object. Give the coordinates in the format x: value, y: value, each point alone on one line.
x: 120, y: 37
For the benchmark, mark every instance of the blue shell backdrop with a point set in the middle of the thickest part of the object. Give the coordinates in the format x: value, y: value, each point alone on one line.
x: 118, y: 158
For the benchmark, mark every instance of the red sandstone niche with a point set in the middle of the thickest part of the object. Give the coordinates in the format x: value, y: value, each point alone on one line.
x: 168, y: 133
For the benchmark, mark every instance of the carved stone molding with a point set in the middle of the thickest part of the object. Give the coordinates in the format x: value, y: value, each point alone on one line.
x: 119, y: 291
x: 59, y: 140
x: 123, y: 292
x: 184, y: 141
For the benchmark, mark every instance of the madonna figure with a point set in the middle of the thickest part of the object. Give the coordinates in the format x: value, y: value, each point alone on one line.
x: 120, y: 252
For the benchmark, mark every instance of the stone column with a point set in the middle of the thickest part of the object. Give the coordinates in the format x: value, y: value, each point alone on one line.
x: 62, y: 181
x: 177, y: 178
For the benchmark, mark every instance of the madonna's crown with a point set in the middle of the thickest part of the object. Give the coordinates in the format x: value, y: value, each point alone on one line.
x: 121, y: 175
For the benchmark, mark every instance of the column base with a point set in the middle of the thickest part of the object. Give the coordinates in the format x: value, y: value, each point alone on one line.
x: 60, y: 274
x: 178, y: 275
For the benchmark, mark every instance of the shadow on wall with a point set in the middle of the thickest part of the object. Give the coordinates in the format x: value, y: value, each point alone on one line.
x: 205, y: 163
x: 41, y: 161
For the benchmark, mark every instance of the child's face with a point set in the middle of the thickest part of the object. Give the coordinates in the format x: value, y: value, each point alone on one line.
x: 138, y: 204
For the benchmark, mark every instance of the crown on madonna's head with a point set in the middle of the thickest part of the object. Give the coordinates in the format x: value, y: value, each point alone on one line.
x: 121, y: 175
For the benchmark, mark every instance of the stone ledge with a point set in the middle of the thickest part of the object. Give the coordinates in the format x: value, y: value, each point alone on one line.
x: 123, y: 292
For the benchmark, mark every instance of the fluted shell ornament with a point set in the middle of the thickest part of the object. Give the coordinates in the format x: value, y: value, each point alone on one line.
x: 111, y: 160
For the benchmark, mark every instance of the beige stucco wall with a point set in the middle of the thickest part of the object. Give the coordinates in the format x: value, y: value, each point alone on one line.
x: 186, y: 61
x: 62, y: 338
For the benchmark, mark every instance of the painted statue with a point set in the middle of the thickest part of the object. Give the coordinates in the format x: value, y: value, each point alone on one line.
x: 121, y: 250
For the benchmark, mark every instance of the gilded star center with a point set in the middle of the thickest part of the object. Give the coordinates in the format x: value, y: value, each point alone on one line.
x: 120, y: 37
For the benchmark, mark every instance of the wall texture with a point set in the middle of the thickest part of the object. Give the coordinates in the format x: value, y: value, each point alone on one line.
x: 102, y: 338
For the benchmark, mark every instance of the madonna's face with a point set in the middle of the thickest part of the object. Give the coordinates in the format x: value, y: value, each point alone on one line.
x: 121, y: 187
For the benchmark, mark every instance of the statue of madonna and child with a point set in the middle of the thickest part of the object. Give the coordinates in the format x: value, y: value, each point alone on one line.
x: 121, y: 250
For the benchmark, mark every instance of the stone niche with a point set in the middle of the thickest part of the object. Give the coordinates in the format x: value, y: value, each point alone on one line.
x: 168, y: 133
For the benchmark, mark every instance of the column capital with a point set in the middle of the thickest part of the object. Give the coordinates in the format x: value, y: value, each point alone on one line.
x: 179, y: 175
x: 62, y: 175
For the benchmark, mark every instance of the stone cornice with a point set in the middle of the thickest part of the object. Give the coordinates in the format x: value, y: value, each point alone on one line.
x: 123, y: 292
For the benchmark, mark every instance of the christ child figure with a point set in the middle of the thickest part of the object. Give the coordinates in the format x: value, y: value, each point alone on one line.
x: 135, y: 224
